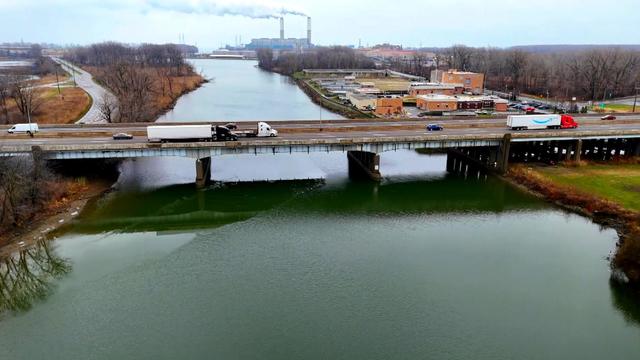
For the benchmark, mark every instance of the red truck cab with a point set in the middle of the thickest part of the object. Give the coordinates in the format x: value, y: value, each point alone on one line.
x: 567, y: 122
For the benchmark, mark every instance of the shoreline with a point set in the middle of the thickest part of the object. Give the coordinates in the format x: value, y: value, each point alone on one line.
x: 47, y: 226
x: 599, y: 210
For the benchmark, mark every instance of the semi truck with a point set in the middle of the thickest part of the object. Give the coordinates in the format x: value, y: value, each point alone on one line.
x: 262, y: 130
x: 541, y: 122
x: 186, y: 133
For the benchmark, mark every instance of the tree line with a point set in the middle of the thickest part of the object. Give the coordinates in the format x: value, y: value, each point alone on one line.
x: 594, y: 74
x: 336, y: 57
x: 25, y: 189
x: 136, y: 75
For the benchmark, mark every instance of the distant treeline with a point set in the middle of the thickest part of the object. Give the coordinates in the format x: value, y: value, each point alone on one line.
x: 337, y: 57
x: 110, y: 53
x: 146, y: 79
x: 586, y: 74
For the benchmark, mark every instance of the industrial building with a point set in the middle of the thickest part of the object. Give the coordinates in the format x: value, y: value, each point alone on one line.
x: 363, y: 101
x: 283, y: 43
x: 472, y: 82
x: 438, y: 103
x: 389, y: 105
x: 418, y: 88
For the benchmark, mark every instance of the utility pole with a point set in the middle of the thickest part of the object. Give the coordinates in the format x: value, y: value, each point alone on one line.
x: 57, y: 80
x: 635, y: 99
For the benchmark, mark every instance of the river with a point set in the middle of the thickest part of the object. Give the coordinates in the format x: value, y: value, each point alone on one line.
x: 424, y: 265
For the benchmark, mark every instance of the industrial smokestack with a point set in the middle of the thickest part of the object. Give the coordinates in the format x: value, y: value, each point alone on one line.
x: 282, y: 28
x: 309, y: 31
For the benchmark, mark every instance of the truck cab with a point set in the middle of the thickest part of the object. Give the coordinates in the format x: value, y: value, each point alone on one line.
x: 224, y: 134
x: 265, y: 130
x: 567, y: 122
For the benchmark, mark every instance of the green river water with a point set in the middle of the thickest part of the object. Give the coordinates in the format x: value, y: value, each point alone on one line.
x: 424, y: 265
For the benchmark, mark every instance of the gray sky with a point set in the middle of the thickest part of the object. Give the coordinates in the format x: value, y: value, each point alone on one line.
x: 211, y: 23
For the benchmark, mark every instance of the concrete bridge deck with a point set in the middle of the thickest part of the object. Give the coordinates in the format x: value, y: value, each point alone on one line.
x: 358, y: 138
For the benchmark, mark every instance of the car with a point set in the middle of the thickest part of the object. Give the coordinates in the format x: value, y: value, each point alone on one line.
x: 434, y: 127
x: 608, y: 117
x: 122, y: 136
x: 529, y: 110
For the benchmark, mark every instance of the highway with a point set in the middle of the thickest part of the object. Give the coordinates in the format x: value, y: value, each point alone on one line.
x: 311, y: 126
x: 355, y: 132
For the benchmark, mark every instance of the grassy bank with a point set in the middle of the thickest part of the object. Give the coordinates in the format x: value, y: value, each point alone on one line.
x: 607, y: 193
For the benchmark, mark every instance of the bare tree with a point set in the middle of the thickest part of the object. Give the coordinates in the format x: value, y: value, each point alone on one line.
x: 108, y: 107
x: 28, y: 98
x: 5, y: 95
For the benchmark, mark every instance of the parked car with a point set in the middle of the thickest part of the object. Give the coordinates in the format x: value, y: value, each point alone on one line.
x: 122, y: 136
x: 608, y: 117
x: 434, y: 127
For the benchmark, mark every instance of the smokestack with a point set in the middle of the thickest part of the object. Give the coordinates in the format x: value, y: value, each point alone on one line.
x: 282, y: 28
x: 309, y: 31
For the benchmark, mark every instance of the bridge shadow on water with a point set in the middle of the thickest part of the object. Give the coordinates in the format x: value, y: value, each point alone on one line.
x: 183, y: 208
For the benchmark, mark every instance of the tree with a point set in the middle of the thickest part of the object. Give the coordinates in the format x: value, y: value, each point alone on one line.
x: 28, y: 98
x: 265, y: 58
x: 108, y: 107
x: 5, y: 95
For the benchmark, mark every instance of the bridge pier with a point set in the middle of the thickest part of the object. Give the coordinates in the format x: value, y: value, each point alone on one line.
x: 364, y: 165
x: 203, y: 172
x: 503, y: 154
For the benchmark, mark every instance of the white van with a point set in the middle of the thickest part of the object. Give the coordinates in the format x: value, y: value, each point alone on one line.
x: 24, y: 128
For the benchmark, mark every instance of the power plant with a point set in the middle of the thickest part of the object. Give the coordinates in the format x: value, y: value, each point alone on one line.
x: 282, y: 43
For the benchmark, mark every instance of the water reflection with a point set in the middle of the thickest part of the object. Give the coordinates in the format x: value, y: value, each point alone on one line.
x: 27, y: 276
x: 183, y: 208
x: 625, y: 300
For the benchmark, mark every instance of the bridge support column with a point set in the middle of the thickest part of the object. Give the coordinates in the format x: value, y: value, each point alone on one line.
x: 203, y: 172
x: 364, y: 165
x: 503, y: 154
x: 578, y: 152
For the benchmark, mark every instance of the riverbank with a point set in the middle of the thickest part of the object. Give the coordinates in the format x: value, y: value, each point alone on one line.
x: 59, y: 211
x: 162, y: 88
x: 319, y: 98
x: 608, y: 194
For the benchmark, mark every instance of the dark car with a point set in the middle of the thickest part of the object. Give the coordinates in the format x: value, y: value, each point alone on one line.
x: 122, y: 136
x: 434, y: 127
x: 608, y: 117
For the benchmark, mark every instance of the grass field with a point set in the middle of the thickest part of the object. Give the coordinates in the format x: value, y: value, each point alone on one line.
x: 618, y: 183
x: 388, y: 84
x: 615, y: 108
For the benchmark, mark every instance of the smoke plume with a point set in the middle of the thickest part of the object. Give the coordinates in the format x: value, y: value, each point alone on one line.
x: 251, y: 9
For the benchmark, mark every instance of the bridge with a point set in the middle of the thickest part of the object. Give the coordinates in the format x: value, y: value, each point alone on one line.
x: 471, y: 144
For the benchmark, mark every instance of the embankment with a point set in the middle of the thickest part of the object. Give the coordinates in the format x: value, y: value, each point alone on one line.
x: 601, y: 209
x: 64, y: 193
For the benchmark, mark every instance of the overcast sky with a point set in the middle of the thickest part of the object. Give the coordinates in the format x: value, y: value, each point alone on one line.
x: 212, y: 23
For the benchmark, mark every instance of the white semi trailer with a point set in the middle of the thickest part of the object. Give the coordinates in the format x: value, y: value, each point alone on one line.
x: 186, y: 133
x: 541, y: 122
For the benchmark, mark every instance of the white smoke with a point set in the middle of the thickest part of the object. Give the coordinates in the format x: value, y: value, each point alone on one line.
x: 251, y: 9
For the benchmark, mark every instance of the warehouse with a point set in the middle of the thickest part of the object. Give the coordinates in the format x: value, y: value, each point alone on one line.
x: 362, y: 101
x: 416, y: 89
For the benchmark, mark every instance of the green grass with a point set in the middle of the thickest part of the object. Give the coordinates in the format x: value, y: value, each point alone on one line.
x: 615, y: 107
x: 618, y: 183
